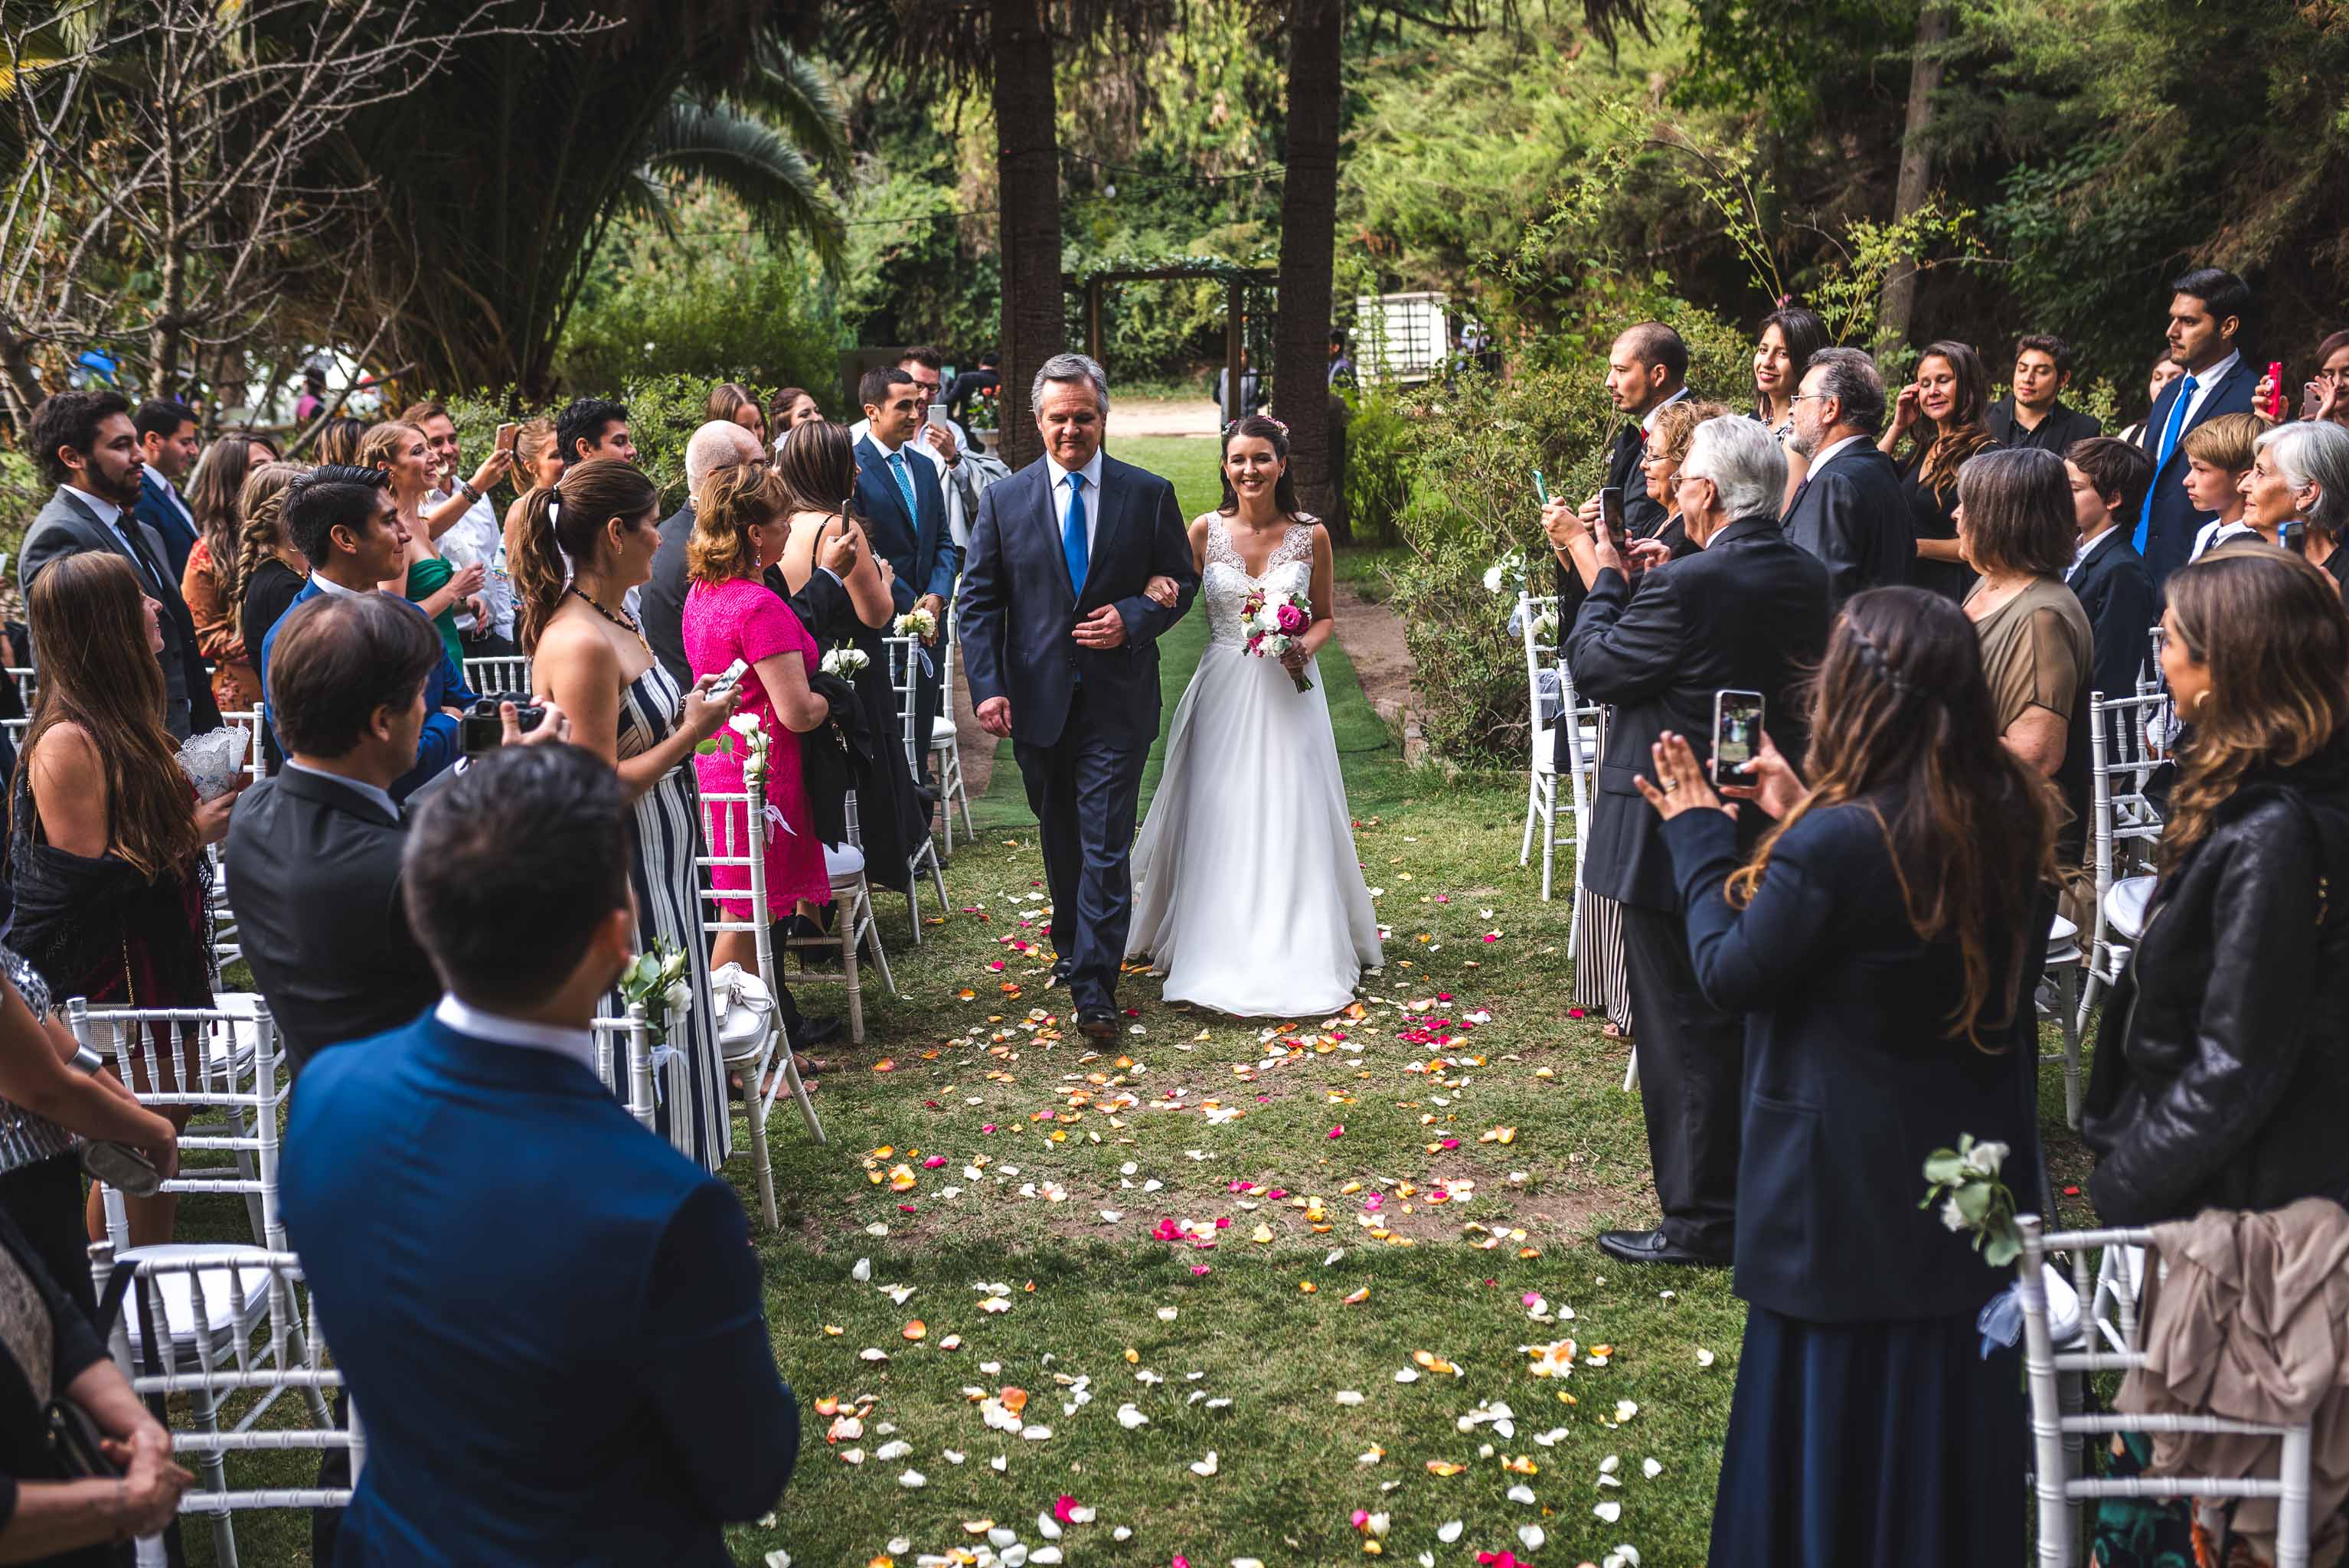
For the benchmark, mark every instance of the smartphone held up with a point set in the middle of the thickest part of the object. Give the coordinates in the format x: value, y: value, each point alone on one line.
x: 1736, y: 735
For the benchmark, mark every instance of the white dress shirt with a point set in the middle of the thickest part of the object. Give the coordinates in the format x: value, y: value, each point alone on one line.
x: 112, y: 516
x: 2204, y: 380
x: 475, y: 539
x: 1061, y: 497
x: 2214, y: 533
x: 1648, y: 420
x: 361, y: 787
x: 2088, y: 548
x: 497, y: 1029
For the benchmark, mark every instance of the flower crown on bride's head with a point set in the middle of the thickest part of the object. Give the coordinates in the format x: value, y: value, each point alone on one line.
x: 1267, y: 419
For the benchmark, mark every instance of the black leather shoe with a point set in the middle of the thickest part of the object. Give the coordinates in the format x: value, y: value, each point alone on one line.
x: 1059, y: 976
x: 1098, y: 1025
x: 1655, y: 1247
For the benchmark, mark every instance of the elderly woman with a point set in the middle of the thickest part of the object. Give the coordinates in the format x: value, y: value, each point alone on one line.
x: 2299, y: 473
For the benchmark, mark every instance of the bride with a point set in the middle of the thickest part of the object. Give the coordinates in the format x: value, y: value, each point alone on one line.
x: 1247, y: 895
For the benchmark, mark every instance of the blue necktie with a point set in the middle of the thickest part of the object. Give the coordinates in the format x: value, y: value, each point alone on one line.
x: 905, y: 487
x: 2169, y: 433
x: 1074, y: 550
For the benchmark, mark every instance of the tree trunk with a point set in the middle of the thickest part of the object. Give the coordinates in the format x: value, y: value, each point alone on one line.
x: 1309, y: 221
x: 1028, y: 178
x: 1899, y: 302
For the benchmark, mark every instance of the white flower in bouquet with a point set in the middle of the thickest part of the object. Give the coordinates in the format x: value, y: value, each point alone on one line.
x: 1984, y: 1158
x: 1493, y: 578
x: 743, y: 724
x: 1953, y: 1216
x: 917, y: 622
x: 845, y: 663
x: 678, y: 997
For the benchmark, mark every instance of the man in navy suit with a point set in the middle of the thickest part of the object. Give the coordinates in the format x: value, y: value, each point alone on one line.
x: 900, y: 494
x: 548, y: 1319
x: 1848, y: 510
x: 2207, y: 310
x: 1060, y: 641
x: 167, y: 445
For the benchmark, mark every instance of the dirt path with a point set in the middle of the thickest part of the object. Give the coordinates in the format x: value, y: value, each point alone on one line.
x: 1155, y: 417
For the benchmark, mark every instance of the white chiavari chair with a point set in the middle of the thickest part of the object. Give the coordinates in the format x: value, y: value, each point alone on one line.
x: 734, y: 828
x: 27, y: 680
x: 905, y: 680
x: 853, y: 927
x: 624, y: 1060
x: 1551, y: 692
x: 506, y: 673
x: 2058, y: 1428
x: 946, y: 744
x: 2127, y: 741
x: 227, y: 947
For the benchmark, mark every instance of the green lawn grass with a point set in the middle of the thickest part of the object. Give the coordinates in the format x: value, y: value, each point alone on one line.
x: 1048, y: 1185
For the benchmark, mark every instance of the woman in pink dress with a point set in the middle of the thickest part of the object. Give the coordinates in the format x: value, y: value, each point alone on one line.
x: 740, y: 528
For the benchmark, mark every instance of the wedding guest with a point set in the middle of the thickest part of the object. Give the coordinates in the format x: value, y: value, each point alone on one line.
x: 2035, y: 413
x: 1748, y: 613
x: 1660, y: 465
x: 2108, y: 479
x: 973, y: 386
x: 538, y: 462
x: 608, y: 1361
x: 211, y: 586
x: 2208, y: 308
x: 462, y: 525
x: 313, y: 400
x: 430, y: 583
x: 963, y: 472
x: 732, y: 400
x: 902, y: 496
x: 1849, y: 510
x: 1940, y: 413
x: 338, y: 441
x: 739, y: 531
x: 49, y: 1516
x: 269, y: 570
x: 86, y: 446
x: 345, y: 524
x: 793, y: 406
x: 2165, y: 371
x: 1647, y: 369
x: 2300, y: 473
x: 106, y: 836
x: 2223, y: 1052
x: 717, y: 444
x: 2218, y: 455
x: 169, y: 444
x: 593, y: 428
x: 590, y: 656
x: 2325, y: 397
x: 1879, y: 941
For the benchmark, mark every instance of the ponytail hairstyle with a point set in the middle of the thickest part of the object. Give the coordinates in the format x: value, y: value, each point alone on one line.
x: 212, y: 492
x: 1902, y: 725
x: 568, y: 519
x: 731, y: 502
x: 261, y: 534
x: 1264, y: 427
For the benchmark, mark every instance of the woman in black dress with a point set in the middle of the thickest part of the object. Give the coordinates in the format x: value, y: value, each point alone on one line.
x: 269, y: 570
x: 1881, y: 943
x: 1940, y: 414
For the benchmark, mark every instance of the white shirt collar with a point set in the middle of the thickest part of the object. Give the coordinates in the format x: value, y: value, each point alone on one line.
x: 1648, y: 420
x: 358, y: 786
x: 2089, y: 547
x: 108, y: 512
x: 2205, y: 379
x: 1091, y: 471
x: 495, y: 1028
x: 326, y: 584
x: 1829, y: 456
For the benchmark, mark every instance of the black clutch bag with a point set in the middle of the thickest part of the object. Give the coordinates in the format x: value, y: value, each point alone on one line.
x: 78, y: 1444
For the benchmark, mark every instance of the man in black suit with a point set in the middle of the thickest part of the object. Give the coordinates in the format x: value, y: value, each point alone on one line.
x: 2034, y: 414
x: 1060, y: 641
x: 312, y: 854
x: 1647, y: 368
x: 2207, y: 310
x: 168, y: 446
x: 1848, y: 510
x: 1748, y: 612
x: 718, y: 444
x: 86, y: 445
x: 2108, y: 479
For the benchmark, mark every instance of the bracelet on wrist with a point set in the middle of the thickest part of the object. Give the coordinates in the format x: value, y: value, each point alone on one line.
x: 471, y: 494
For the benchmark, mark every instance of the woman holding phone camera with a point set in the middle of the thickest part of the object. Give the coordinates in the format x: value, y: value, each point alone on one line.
x: 589, y: 658
x: 431, y: 583
x: 2300, y: 474
x: 1880, y: 941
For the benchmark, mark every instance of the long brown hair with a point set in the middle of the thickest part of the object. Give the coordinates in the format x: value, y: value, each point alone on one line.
x: 89, y: 618
x: 1902, y: 724
x: 568, y: 519
x: 338, y: 440
x: 726, y: 400
x: 382, y: 443
x: 2271, y: 631
x: 262, y: 505
x: 1947, y: 447
x: 213, y: 491
x: 817, y: 465
x: 733, y: 502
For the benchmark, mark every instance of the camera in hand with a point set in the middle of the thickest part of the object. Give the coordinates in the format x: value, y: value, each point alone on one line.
x: 481, y: 731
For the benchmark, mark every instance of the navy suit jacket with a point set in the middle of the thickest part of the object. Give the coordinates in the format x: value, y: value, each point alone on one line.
x: 919, y: 549
x: 548, y: 1318
x: 439, y: 745
x: 1852, y: 515
x: 2114, y: 588
x: 156, y: 511
x: 1018, y: 611
x: 2170, y: 539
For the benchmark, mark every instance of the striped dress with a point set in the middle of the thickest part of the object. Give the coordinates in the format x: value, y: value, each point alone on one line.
x: 1601, y: 983
x: 665, y: 831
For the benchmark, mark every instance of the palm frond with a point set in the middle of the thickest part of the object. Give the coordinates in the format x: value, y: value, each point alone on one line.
x: 790, y: 92
x: 755, y: 165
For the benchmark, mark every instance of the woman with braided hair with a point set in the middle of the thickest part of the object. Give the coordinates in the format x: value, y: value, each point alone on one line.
x: 209, y: 585
x: 1881, y: 939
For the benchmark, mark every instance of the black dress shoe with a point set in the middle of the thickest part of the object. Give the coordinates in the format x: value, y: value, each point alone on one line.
x: 1059, y: 976
x: 1098, y: 1025
x: 1655, y: 1247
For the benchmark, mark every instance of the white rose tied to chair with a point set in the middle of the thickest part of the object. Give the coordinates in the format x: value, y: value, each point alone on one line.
x: 757, y: 742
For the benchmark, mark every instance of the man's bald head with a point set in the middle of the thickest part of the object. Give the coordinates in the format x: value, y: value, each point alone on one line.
x: 719, y: 444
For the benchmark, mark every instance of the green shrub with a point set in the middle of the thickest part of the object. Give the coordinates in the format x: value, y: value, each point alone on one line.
x: 1378, y: 458
x: 23, y: 492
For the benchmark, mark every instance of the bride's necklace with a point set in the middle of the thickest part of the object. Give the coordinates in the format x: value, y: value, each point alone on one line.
x: 619, y: 618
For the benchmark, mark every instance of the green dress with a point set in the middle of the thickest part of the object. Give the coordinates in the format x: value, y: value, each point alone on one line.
x: 426, y: 578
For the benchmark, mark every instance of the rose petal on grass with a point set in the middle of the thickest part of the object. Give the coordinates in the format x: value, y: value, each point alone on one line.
x: 1206, y: 1467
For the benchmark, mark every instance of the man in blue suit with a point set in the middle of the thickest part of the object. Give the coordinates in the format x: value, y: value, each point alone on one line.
x: 1060, y: 637
x: 342, y: 519
x: 548, y: 1319
x: 904, y: 507
x: 167, y: 445
x: 2206, y: 309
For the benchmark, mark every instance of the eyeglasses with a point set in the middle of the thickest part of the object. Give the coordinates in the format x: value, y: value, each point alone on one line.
x: 1808, y: 397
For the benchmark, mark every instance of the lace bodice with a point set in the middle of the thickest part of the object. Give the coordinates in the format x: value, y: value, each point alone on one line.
x: 1226, y: 584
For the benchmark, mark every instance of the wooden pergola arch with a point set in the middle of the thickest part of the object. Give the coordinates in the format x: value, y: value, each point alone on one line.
x: 1237, y: 278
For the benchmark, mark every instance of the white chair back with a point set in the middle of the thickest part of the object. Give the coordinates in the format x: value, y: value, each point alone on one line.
x: 624, y: 1060
x: 509, y: 672
x: 2128, y: 740
x: 1549, y: 688
x: 904, y: 679
x: 2057, y: 1433
x: 734, y: 833
x: 27, y: 681
x: 253, y: 721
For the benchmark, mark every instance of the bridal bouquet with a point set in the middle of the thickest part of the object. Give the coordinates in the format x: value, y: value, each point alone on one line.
x: 1275, y: 622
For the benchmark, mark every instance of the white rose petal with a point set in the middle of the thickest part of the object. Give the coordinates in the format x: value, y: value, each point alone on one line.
x: 1533, y: 1535
x: 1523, y: 1493
x: 1609, y: 1511
x: 1651, y: 1468
x: 744, y: 722
x: 1448, y: 1532
x: 912, y: 1480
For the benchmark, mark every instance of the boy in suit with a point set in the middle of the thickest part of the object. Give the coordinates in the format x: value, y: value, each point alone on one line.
x: 2108, y: 479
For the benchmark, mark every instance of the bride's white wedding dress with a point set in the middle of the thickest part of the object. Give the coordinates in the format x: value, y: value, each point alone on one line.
x: 1246, y: 894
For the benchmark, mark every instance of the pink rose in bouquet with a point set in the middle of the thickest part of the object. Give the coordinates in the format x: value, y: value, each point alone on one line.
x: 1274, y: 624
x: 1293, y: 620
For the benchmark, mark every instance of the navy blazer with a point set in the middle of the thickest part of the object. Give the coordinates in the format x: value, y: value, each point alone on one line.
x: 1853, y: 514
x: 438, y: 746
x: 2170, y: 519
x: 548, y: 1318
x: 156, y: 511
x: 1849, y: 1081
x: 2114, y: 587
x: 919, y: 550
x: 1749, y: 612
x: 1018, y: 611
